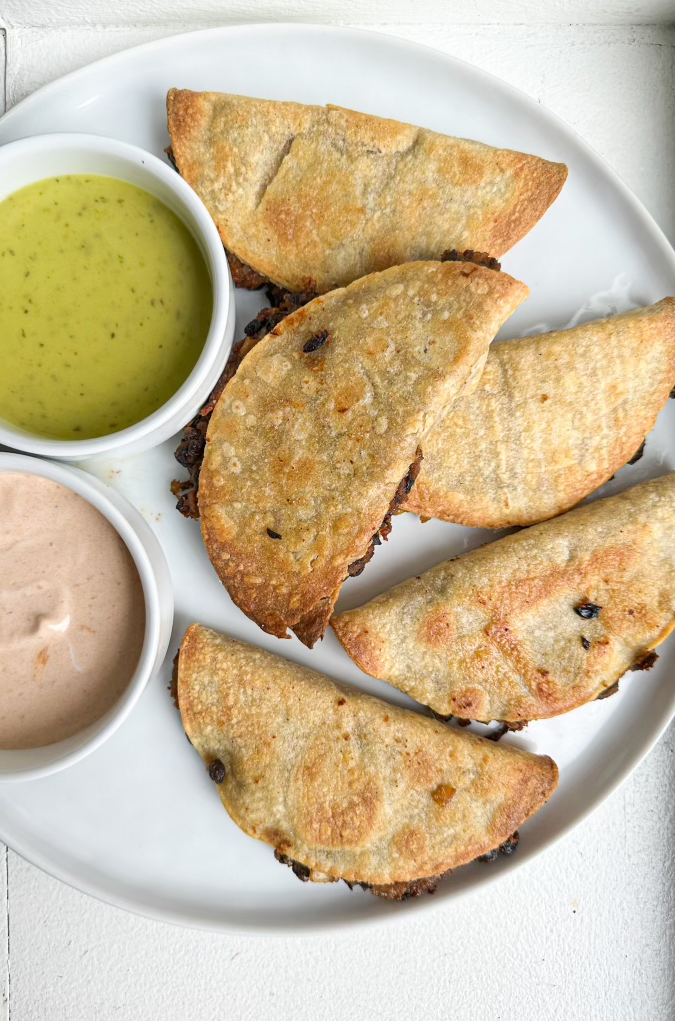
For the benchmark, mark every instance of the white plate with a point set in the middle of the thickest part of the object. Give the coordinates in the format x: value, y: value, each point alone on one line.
x: 139, y: 823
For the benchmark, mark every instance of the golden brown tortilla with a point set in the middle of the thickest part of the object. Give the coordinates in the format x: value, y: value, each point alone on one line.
x: 345, y: 784
x: 315, y: 197
x: 552, y: 419
x: 500, y: 633
x: 310, y: 440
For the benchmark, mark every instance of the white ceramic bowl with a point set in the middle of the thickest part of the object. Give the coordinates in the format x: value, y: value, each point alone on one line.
x: 28, y: 763
x: 42, y: 156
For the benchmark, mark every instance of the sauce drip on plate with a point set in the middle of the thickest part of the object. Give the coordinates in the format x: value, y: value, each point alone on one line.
x: 105, y: 304
x: 72, y: 612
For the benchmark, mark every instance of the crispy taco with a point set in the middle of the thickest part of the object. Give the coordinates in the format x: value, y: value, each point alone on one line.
x: 535, y: 624
x: 314, y: 197
x: 319, y: 435
x: 341, y: 784
x: 553, y: 418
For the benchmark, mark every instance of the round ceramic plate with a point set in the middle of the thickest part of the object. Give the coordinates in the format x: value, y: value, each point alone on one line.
x: 138, y: 823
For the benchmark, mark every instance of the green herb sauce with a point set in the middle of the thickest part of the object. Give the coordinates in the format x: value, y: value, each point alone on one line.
x: 105, y: 304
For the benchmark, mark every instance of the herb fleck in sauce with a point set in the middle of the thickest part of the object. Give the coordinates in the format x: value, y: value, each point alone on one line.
x: 105, y: 304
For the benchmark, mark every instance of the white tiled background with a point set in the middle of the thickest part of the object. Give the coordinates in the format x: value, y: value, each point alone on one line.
x: 586, y: 932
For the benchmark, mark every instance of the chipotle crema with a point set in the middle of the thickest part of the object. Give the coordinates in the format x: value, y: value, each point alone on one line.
x: 72, y: 613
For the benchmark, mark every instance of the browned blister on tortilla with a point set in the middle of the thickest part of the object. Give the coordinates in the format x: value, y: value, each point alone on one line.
x: 316, y: 197
x: 309, y: 442
x: 553, y: 418
x: 341, y: 784
x: 535, y: 624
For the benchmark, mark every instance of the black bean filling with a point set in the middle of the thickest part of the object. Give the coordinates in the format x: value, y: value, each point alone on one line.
x: 190, y: 451
x: 217, y: 771
x: 638, y: 453
x: 402, y: 891
x: 315, y: 342
x: 589, y: 611
x: 468, y: 255
x: 646, y: 662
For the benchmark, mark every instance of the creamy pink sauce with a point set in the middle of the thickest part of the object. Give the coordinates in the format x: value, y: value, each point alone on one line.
x: 72, y: 613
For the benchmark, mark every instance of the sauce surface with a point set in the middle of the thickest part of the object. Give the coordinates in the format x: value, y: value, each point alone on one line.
x: 105, y: 304
x: 72, y: 613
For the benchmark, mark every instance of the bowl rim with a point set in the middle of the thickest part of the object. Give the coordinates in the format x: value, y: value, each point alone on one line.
x: 134, y: 532
x: 183, y: 403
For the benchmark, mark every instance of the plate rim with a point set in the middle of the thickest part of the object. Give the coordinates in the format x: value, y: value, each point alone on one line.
x: 312, y: 924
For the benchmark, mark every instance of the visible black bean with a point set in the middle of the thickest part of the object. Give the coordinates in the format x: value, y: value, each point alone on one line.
x: 315, y: 342
x: 638, y: 453
x: 498, y: 733
x: 301, y: 871
x: 298, y: 869
x: 261, y: 325
x: 191, y: 449
x: 217, y: 771
x: 273, y: 535
x: 510, y: 846
x: 469, y: 255
x: 589, y: 611
x: 647, y: 662
x: 489, y: 856
x: 440, y: 717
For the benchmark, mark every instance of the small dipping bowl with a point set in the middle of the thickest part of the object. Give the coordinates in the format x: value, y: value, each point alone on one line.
x: 153, y: 570
x: 47, y: 156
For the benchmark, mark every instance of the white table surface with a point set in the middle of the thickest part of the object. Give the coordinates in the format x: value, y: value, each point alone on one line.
x: 586, y: 931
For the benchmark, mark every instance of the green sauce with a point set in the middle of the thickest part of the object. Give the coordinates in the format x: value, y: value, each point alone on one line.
x: 105, y: 304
